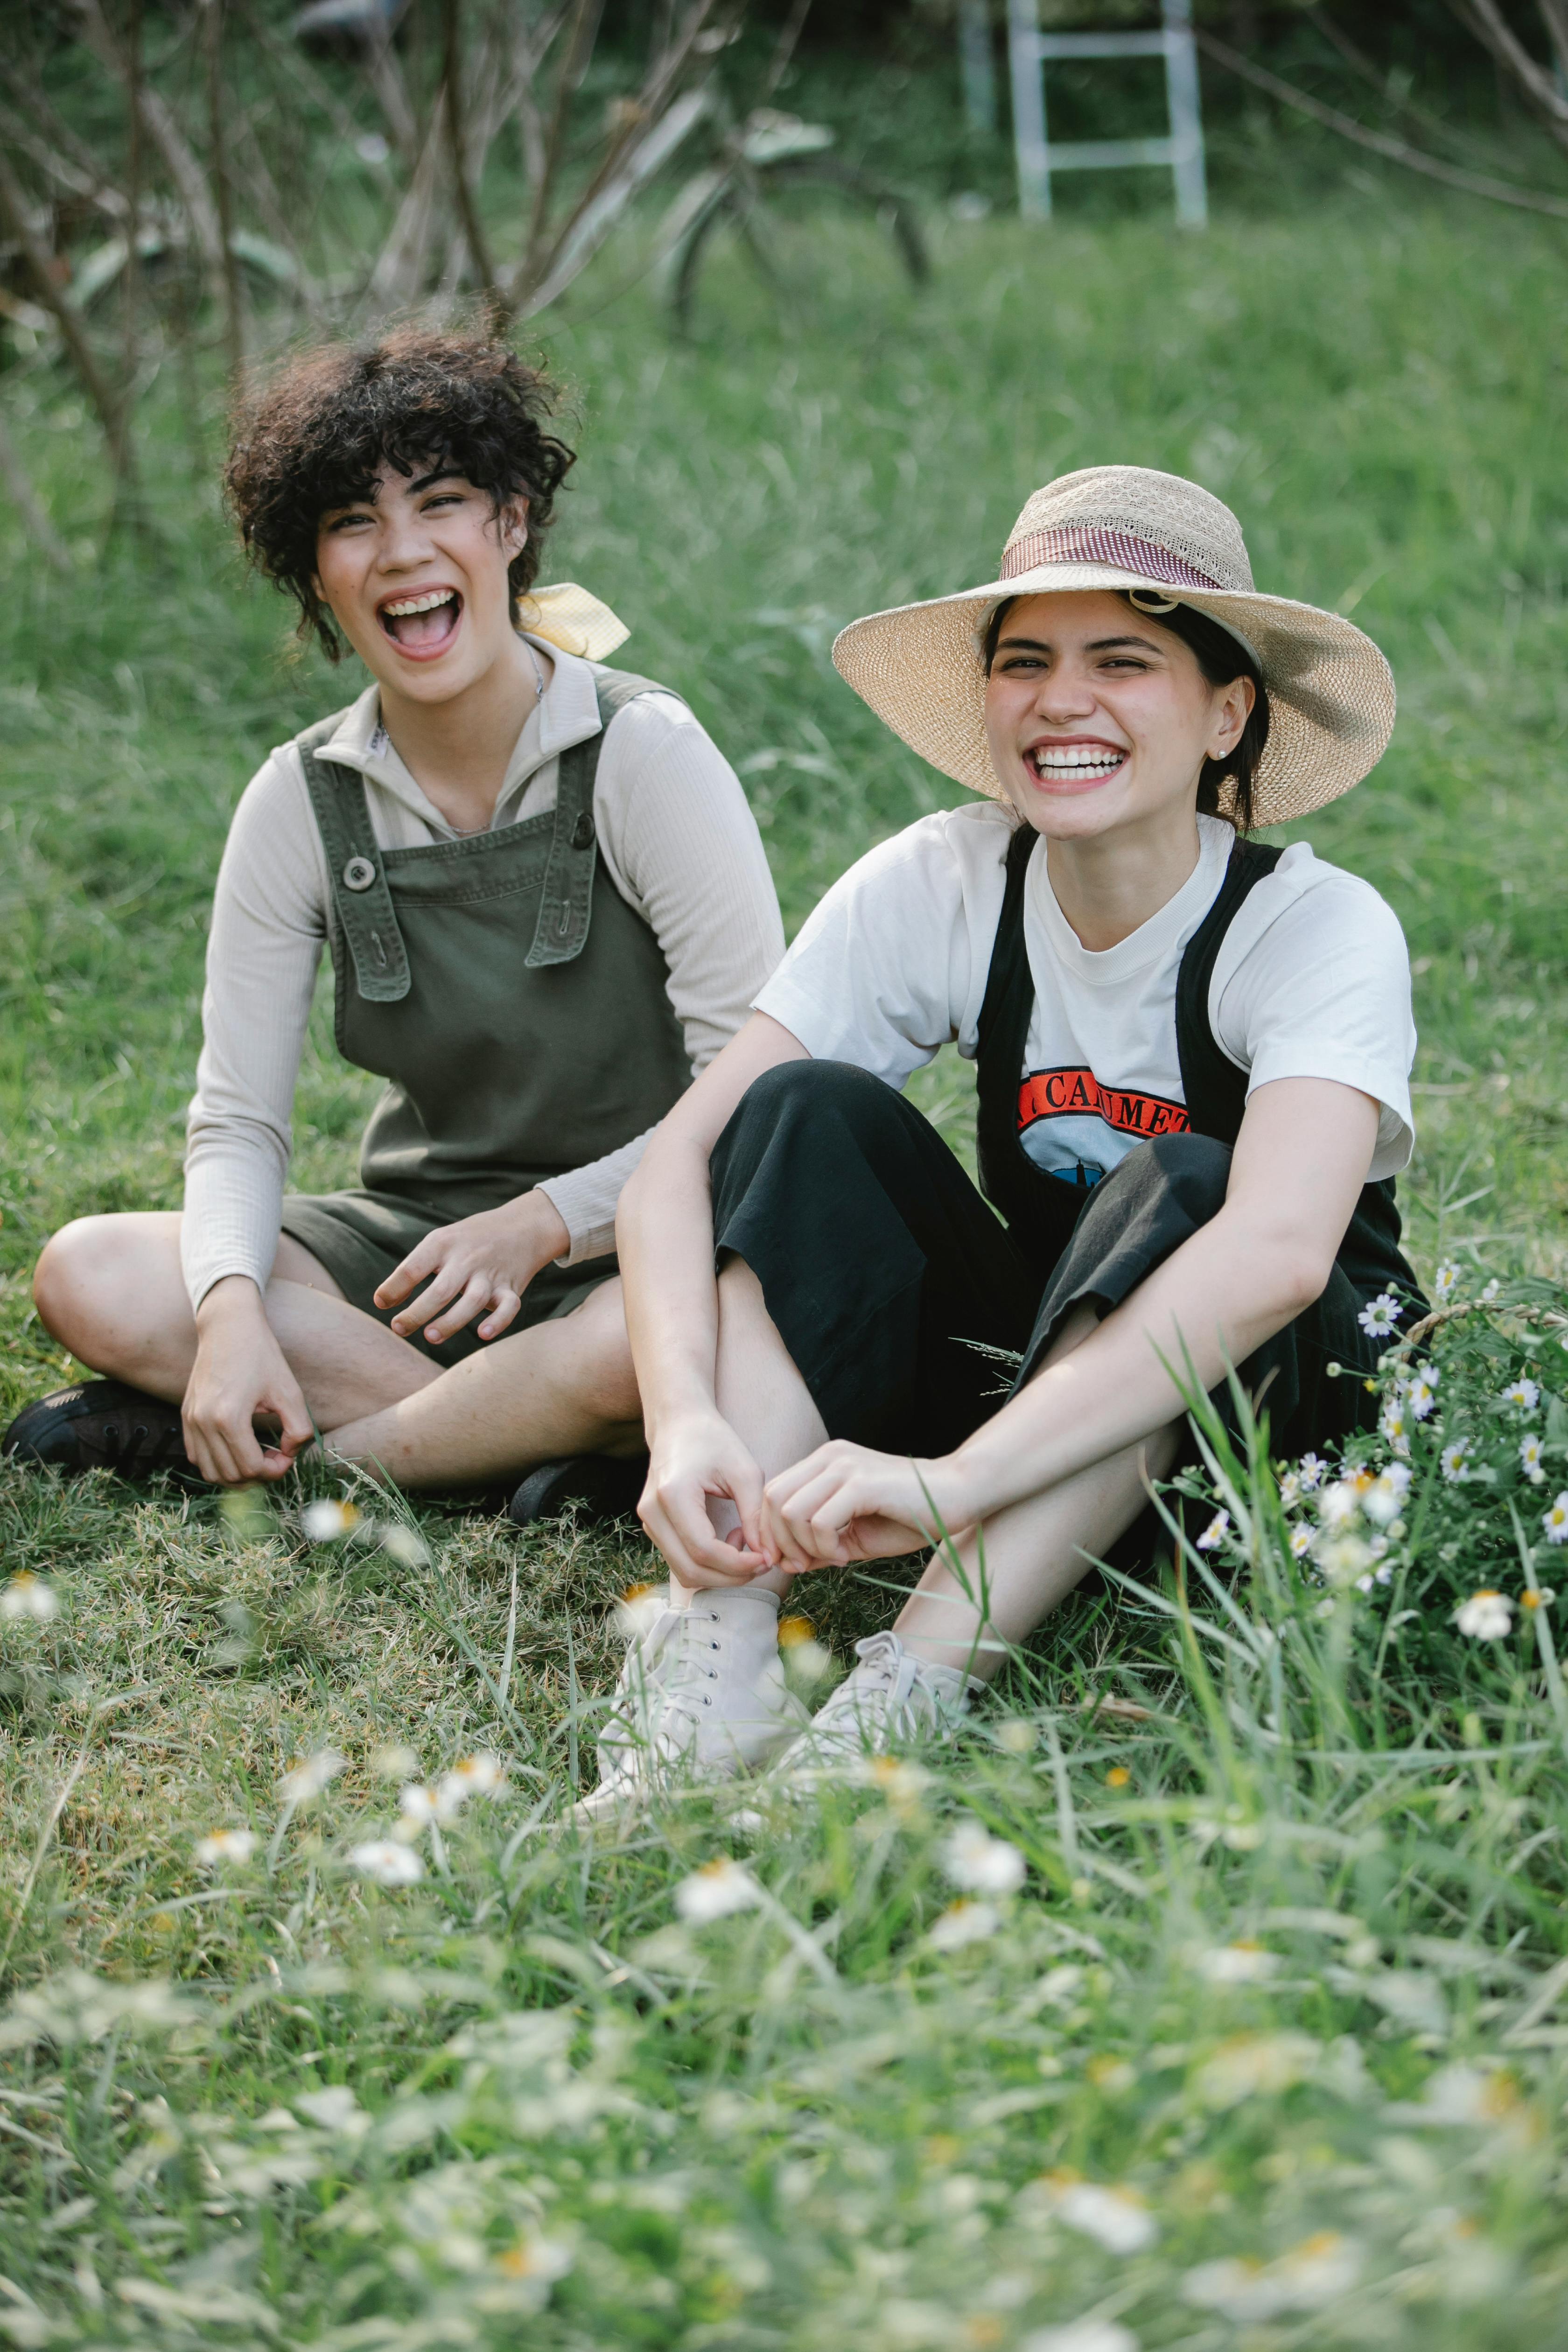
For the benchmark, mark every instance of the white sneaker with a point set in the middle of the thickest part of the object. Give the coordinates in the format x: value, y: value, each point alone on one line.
x: 702, y: 1691
x: 885, y: 1696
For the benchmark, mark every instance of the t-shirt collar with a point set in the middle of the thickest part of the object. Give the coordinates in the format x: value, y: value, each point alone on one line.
x: 1180, y: 915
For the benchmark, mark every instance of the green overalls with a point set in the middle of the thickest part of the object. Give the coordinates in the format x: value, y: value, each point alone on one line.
x: 522, y: 1022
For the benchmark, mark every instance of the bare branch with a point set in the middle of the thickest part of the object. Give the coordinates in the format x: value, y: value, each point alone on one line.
x: 1379, y: 142
x: 579, y: 48
x: 29, y: 504
x: 1486, y: 22
x: 89, y: 186
x: 468, y: 211
x: 158, y: 121
x: 233, y: 292
x: 385, y: 77
x: 399, y: 268
x: 18, y: 223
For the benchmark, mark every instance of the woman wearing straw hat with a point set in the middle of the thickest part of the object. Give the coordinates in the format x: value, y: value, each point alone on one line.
x: 1194, y: 1059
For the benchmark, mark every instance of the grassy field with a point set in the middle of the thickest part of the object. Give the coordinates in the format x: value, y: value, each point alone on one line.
x: 1269, y: 2049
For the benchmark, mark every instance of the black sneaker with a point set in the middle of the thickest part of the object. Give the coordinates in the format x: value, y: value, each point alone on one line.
x: 596, y: 1486
x: 101, y: 1425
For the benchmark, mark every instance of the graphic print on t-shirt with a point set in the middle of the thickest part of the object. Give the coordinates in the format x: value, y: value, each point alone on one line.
x: 1076, y: 1096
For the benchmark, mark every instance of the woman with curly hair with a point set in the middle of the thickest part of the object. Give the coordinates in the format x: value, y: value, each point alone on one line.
x: 547, y: 905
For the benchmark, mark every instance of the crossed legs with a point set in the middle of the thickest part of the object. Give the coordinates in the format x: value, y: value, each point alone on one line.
x: 111, y: 1289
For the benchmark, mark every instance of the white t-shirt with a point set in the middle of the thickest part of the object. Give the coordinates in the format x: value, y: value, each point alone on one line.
x: 1312, y: 980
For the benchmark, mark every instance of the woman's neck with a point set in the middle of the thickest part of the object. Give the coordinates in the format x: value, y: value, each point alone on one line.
x: 1110, y: 885
x: 458, y: 752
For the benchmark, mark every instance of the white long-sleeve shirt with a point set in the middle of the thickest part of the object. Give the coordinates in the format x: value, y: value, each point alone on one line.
x: 680, y: 844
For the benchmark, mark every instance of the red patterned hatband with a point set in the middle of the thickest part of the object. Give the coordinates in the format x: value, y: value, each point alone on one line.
x: 1088, y: 543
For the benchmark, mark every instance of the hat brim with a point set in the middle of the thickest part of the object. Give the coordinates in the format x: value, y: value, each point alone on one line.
x: 1330, y: 691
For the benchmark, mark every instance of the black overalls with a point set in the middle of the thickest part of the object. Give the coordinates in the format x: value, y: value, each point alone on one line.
x: 899, y: 1296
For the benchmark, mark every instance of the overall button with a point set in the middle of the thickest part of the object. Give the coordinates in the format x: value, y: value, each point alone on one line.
x: 582, y: 831
x: 358, y: 874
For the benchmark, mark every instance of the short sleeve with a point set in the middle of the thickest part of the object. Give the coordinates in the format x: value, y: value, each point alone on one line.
x: 879, y: 975
x: 1313, y: 981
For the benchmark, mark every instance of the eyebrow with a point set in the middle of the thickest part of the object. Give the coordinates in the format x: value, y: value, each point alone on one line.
x: 372, y: 497
x: 1095, y: 644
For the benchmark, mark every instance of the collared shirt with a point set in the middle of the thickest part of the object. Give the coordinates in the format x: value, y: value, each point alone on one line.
x: 680, y: 844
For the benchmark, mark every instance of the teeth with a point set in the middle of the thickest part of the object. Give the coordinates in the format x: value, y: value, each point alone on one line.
x: 1078, y: 760
x: 425, y: 603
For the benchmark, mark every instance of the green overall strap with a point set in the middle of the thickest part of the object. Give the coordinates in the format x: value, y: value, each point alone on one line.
x: 361, y: 899
x: 567, y: 907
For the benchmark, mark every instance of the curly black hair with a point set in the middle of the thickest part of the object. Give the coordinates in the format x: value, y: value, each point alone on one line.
x: 1221, y: 657
x: 320, y: 430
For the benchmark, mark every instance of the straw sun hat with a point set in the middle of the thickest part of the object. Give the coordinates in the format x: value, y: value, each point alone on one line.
x: 1330, y: 691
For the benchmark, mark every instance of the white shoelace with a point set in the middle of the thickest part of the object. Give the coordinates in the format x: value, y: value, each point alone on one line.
x: 878, y: 1692
x: 663, y: 1678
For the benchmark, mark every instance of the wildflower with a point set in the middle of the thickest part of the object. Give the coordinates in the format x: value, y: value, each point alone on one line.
x: 1301, y: 1542
x: 1555, y: 1520
x: 1213, y: 1533
x: 1394, y: 1425
x: 27, y: 1595
x: 1486, y: 1616
x: 961, y: 1923
x: 980, y: 1863
x: 720, y: 1887
x: 1530, y: 1459
x: 1317, y: 2272
x: 1290, y: 1489
x: 1017, y: 1736
x: 900, y: 1781
x: 328, y: 1522
x: 309, y: 1775
x: 1455, y: 1461
x: 1254, y: 2063
x: 1340, y: 1504
x: 1445, y: 1282
x: 1523, y: 1393
x: 472, y: 1776
x: 420, y: 1804
x: 1117, y: 2219
x: 1083, y: 2336
x: 1490, y: 1292
x: 388, y: 1861
x: 405, y: 1545
x: 1384, y: 1496
x: 1309, y: 1470
x: 1538, y: 1596
x: 639, y: 1608
x: 1465, y: 2094
x: 1422, y: 1393
x: 1379, y: 1315
x: 806, y: 1659
x: 335, y: 2109
x: 1118, y: 1777
x: 1345, y: 1558
x: 1231, y: 1964
x: 393, y: 1763
x: 224, y: 1846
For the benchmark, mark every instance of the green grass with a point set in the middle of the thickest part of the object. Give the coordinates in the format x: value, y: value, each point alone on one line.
x: 808, y: 2125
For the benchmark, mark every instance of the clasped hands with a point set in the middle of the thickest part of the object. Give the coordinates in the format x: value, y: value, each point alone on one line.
x: 843, y: 1503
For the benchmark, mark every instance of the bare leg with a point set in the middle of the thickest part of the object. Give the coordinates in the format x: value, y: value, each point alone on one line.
x: 1034, y: 1553
x: 111, y: 1290
x: 564, y: 1386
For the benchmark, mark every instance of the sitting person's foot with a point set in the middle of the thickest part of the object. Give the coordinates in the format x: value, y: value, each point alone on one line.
x: 101, y: 1425
x: 598, y: 1486
x: 701, y: 1694
x: 887, y: 1697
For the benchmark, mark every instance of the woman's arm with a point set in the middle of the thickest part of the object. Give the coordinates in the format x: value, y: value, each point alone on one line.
x: 1299, y: 1164
x: 665, y: 1235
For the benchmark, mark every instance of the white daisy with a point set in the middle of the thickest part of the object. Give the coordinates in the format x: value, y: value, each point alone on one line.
x: 1422, y: 1394
x: 1301, y: 1542
x: 27, y: 1595
x: 980, y: 1864
x: 306, y: 1777
x: 327, y: 1521
x: 225, y: 1846
x: 1490, y: 1292
x: 1555, y: 1520
x: 718, y: 1888
x: 387, y: 1861
x: 1394, y: 1422
x: 1340, y: 1504
x: 1486, y: 1616
x: 1215, y: 1532
x: 1310, y: 1469
x: 1290, y: 1489
x: 964, y: 1922
x: 1455, y: 1461
x: 1446, y: 1282
x: 1379, y: 1315
x: 1523, y: 1393
x: 1530, y: 1459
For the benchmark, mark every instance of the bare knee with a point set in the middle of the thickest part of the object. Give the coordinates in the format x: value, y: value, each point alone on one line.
x: 70, y: 1274
x: 100, y: 1278
x: 605, y: 1377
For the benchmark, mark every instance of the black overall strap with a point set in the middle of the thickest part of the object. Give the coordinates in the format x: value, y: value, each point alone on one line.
x: 362, y: 902
x: 567, y: 909
x: 1213, y: 1088
x: 1004, y: 1031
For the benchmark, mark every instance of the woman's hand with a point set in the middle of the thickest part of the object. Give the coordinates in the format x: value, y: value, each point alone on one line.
x: 240, y: 1376
x: 694, y: 1458
x: 481, y: 1265
x: 844, y: 1503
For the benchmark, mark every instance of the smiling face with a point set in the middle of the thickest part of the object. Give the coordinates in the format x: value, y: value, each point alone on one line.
x: 416, y: 577
x: 1099, y: 720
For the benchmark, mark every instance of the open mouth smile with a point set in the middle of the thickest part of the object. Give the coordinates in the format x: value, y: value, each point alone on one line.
x: 1075, y: 765
x: 422, y: 623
